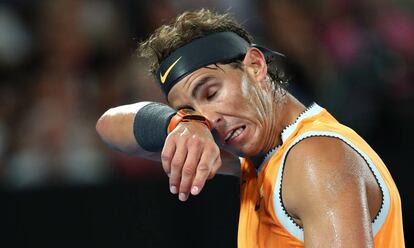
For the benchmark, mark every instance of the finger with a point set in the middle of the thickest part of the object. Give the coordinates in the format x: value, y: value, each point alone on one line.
x: 176, y: 165
x: 189, y: 170
x: 216, y: 166
x: 167, y: 155
x: 207, y: 160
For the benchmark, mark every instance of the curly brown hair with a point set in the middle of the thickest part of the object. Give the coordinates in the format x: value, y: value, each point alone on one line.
x: 189, y: 26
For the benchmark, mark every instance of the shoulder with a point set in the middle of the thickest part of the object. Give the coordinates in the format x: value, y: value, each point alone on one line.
x: 318, y: 170
x: 322, y: 154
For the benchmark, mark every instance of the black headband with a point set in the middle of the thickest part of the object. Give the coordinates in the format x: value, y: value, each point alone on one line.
x: 214, y: 48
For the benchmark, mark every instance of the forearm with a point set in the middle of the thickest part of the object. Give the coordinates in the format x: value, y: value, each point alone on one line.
x: 116, y: 128
x: 138, y: 129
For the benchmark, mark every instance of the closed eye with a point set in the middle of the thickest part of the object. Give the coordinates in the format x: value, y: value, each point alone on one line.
x: 211, y: 96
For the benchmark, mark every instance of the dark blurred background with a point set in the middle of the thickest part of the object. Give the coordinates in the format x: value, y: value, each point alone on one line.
x: 63, y: 63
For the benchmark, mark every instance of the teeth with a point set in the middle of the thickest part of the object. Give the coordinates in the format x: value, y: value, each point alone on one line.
x: 228, y: 136
x: 234, y: 134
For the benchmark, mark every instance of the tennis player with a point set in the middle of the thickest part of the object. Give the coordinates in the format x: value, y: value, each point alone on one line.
x: 306, y: 179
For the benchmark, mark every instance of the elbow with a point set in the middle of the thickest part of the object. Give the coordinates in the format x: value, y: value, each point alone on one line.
x: 100, y: 126
x: 103, y: 126
x: 115, y: 128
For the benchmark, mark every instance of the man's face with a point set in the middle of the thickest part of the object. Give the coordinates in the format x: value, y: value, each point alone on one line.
x: 232, y: 101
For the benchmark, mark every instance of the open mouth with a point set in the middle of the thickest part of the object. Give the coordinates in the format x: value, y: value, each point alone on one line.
x: 234, y: 133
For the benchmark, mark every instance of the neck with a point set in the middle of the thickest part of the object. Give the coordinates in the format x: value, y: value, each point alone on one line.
x: 286, y: 111
x: 286, y: 108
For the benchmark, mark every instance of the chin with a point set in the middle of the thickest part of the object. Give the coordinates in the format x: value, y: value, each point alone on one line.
x: 246, y: 152
x: 252, y: 148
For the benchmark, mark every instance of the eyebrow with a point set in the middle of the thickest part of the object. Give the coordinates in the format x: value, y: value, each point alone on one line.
x: 200, y: 83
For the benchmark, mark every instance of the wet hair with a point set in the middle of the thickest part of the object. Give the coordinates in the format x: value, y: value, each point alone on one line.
x: 191, y: 25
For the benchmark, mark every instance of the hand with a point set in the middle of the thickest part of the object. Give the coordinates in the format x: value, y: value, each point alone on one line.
x: 190, y: 157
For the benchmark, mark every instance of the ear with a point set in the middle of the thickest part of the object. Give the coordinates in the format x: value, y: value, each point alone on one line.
x: 255, y: 64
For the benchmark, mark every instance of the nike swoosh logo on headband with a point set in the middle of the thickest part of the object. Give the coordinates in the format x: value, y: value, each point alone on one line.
x: 164, y: 77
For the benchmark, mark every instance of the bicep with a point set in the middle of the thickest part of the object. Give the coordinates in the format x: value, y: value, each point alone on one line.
x: 329, y: 195
x: 338, y: 219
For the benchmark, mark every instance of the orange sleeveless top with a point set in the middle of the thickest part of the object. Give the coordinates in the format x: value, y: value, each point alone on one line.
x: 263, y: 221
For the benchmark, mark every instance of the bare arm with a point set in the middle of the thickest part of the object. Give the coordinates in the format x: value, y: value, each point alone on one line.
x: 190, y: 155
x: 325, y: 190
x: 116, y: 129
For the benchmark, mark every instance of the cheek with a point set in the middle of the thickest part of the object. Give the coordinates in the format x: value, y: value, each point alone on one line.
x: 244, y: 107
x: 242, y: 101
x: 251, y: 105
x: 236, y: 102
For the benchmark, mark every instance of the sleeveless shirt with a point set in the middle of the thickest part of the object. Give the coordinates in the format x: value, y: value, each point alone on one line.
x: 263, y: 221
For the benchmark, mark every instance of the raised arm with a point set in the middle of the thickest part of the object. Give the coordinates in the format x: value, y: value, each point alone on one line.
x: 116, y: 129
x: 189, y: 154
